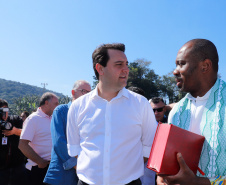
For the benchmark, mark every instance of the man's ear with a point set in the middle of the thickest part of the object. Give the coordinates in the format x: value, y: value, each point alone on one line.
x: 99, y: 69
x: 73, y: 92
x: 46, y: 102
x: 206, y: 65
x: 165, y: 108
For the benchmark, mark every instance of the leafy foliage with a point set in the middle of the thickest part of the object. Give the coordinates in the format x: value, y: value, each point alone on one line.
x: 30, y: 104
x: 170, y: 89
x: 141, y: 76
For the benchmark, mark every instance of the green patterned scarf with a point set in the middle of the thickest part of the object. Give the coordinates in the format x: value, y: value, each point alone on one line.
x: 213, y: 127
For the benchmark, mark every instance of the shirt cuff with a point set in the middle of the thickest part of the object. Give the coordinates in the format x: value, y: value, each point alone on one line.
x: 70, y: 163
x: 146, y: 151
x: 73, y: 150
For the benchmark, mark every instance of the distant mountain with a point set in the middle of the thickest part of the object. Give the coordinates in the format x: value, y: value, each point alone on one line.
x: 11, y: 89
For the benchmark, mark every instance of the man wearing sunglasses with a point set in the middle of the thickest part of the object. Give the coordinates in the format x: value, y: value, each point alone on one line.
x: 62, y: 170
x: 159, y: 108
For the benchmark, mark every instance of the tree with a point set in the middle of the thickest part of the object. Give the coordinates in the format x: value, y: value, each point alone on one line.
x: 95, y: 82
x: 26, y: 103
x: 30, y: 103
x: 141, y: 76
x: 64, y: 100
x: 169, y: 88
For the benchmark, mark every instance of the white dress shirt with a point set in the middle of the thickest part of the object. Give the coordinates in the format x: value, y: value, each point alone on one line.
x: 197, y: 108
x: 110, y: 138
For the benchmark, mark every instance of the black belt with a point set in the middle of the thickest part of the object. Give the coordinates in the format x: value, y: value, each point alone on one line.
x: 135, y: 182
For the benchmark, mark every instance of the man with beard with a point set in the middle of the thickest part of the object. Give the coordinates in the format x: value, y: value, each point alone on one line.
x: 201, y: 111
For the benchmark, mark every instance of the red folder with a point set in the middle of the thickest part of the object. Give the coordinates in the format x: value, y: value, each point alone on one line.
x: 169, y: 140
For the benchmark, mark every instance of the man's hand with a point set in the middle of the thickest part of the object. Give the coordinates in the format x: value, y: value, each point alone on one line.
x: 43, y: 163
x: 145, y: 159
x: 184, y: 177
x: 14, y: 131
x: 31, y: 154
x: 160, y: 181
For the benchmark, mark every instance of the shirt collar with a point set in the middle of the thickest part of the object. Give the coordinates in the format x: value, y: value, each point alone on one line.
x: 123, y: 92
x: 42, y: 114
x: 205, y: 97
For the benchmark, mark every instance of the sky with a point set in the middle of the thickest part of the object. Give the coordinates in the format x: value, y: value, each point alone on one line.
x: 51, y: 41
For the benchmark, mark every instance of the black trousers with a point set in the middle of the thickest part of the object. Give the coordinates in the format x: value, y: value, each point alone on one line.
x: 15, y: 175
x: 135, y: 182
x: 37, y: 175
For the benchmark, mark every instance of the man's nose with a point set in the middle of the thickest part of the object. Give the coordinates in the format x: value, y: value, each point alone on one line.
x: 176, y: 72
x: 126, y: 69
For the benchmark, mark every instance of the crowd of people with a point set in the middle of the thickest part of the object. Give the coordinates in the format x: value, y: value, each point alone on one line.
x: 104, y: 136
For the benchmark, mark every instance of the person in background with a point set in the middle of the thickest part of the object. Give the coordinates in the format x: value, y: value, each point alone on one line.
x: 12, y: 161
x: 202, y: 111
x: 62, y: 168
x: 137, y: 90
x: 35, y: 140
x: 24, y: 115
x: 111, y: 129
x: 159, y: 108
x: 149, y: 176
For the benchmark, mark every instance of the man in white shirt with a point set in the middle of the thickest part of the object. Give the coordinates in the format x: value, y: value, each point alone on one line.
x: 35, y: 140
x: 110, y: 129
x: 201, y: 111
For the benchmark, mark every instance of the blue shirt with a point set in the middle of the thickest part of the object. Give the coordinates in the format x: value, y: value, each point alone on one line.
x: 61, y: 169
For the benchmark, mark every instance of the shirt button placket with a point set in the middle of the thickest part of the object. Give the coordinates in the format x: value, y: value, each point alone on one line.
x: 107, y: 145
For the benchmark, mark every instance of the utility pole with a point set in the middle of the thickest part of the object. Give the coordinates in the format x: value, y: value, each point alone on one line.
x: 44, y: 85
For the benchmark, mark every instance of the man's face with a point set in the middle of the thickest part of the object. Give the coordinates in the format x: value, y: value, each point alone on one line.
x: 187, y: 70
x: 159, y: 110
x: 52, y: 103
x: 82, y: 89
x: 115, y: 74
x: 5, y: 114
x: 23, y: 116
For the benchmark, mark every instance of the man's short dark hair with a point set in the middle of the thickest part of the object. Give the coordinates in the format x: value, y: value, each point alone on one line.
x: 46, y: 96
x: 26, y: 113
x: 3, y: 103
x: 205, y: 49
x: 101, y: 56
x: 137, y: 90
x: 156, y: 100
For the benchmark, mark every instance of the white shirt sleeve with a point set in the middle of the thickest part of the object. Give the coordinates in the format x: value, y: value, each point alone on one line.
x: 73, y: 138
x: 28, y: 130
x: 149, y: 126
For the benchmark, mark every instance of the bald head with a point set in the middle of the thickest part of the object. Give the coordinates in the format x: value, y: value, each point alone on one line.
x: 80, y: 88
x: 202, y: 49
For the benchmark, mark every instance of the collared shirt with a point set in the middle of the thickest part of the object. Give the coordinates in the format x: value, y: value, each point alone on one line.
x: 110, y: 138
x: 60, y: 171
x: 197, y: 108
x: 36, y: 129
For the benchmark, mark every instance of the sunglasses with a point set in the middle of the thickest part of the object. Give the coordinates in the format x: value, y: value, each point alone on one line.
x: 158, y: 109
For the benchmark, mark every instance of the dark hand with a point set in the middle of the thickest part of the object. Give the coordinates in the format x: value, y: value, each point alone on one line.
x: 9, y: 132
x: 43, y: 163
x: 184, y: 177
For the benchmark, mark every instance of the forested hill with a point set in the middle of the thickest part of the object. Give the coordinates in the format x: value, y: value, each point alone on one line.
x: 11, y: 89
